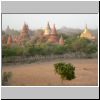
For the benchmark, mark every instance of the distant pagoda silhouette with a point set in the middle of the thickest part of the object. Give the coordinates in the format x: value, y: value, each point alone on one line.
x: 24, y: 34
x: 25, y: 31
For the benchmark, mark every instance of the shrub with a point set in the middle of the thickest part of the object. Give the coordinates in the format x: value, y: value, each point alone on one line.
x: 5, y: 77
x: 66, y: 71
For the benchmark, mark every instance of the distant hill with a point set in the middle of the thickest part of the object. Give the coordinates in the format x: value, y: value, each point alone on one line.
x: 69, y: 31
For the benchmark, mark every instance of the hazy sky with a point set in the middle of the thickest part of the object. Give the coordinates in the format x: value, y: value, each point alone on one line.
x: 35, y: 21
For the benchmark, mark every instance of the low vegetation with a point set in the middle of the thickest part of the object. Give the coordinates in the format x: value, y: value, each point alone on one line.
x: 6, y: 76
x: 72, y: 45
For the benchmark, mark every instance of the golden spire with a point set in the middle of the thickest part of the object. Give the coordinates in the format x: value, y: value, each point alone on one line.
x: 47, y: 30
x: 87, y: 34
x: 86, y: 29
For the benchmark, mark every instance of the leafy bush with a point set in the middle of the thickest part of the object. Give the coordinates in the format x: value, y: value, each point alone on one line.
x: 66, y: 71
x: 90, y: 49
x: 12, y: 51
x: 5, y: 77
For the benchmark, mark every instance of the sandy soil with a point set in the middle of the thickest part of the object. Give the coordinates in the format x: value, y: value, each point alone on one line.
x: 42, y: 73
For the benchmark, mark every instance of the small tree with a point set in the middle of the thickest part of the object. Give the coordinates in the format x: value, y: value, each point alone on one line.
x: 66, y: 71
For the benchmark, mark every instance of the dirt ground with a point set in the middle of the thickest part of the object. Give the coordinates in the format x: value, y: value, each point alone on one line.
x: 42, y: 73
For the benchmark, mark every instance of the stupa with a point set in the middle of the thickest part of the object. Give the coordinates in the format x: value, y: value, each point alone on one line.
x: 47, y: 30
x: 61, y: 40
x: 87, y: 34
x: 3, y: 39
x: 9, y: 41
x: 53, y: 35
x: 8, y: 30
x: 24, y: 32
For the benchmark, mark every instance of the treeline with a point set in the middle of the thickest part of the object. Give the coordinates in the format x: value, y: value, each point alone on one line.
x: 72, y: 44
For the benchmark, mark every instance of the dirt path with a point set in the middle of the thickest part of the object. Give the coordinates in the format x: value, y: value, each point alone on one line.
x: 42, y: 73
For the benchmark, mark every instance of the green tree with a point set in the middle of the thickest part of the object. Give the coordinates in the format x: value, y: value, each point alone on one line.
x: 66, y: 71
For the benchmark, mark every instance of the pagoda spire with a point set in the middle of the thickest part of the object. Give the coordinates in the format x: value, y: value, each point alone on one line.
x: 87, y: 34
x: 61, y: 40
x: 24, y: 30
x: 9, y: 41
x: 48, y: 26
x: 86, y: 29
x: 86, y: 26
x: 54, y: 30
x: 47, y: 30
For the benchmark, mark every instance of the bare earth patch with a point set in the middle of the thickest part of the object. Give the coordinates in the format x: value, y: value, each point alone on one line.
x: 42, y: 73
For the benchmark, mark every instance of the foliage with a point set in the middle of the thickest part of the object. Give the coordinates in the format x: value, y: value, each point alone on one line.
x: 82, y: 45
x: 3, y: 32
x: 66, y: 71
x: 11, y: 51
x: 73, y: 44
x: 5, y: 77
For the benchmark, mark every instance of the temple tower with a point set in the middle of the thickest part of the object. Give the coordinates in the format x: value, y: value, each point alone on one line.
x: 25, y: 31
x: 87, y: 34
x: 9, y: 41
x: 3, y: 39
x: 47, y: 30
x: 53, y: 35
x: 53, y: 31
x: 61, y: 40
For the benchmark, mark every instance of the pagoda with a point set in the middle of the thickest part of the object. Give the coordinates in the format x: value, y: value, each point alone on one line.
x: 9, y: 41
x: 3, y: 39
x: 87, y: 34
x: 61, y: 41
x: 47, y: 30
x: 24, y: 32
x: 53, y: 35
x: 8, y: 30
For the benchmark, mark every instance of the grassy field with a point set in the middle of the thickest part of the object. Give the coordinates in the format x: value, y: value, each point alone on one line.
x: 42, y: 73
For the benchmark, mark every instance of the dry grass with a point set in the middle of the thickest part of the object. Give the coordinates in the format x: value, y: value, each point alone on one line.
x: 42, y: 73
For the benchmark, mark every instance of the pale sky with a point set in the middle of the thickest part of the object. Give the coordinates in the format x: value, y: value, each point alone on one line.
x: 35, y: 21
